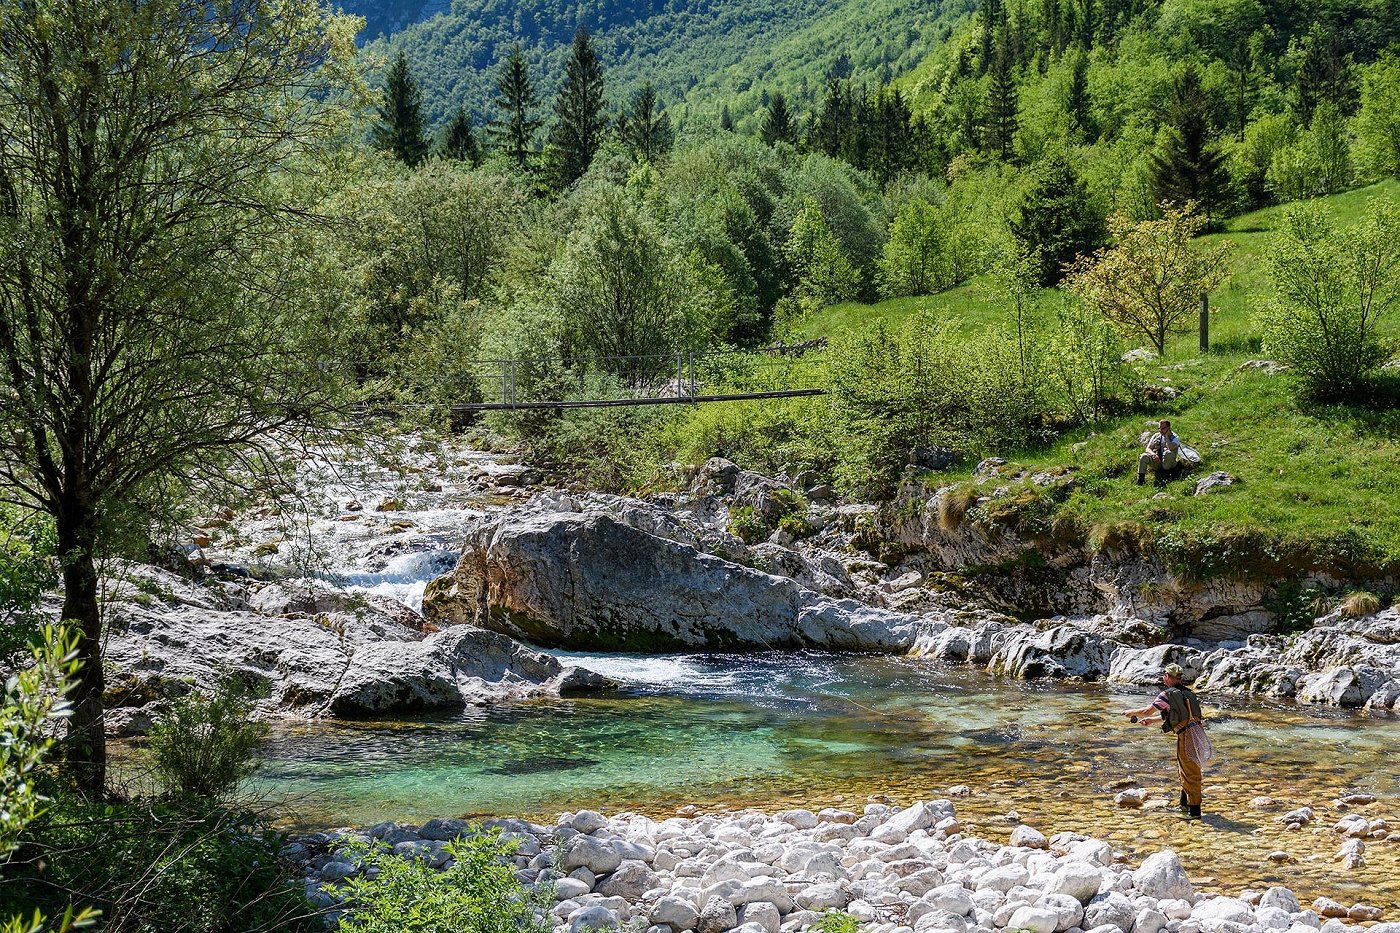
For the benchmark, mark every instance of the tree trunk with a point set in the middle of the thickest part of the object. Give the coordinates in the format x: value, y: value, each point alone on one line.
x: 87, y: 737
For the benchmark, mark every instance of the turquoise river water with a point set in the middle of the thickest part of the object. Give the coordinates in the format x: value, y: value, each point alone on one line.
x: 816, y: 730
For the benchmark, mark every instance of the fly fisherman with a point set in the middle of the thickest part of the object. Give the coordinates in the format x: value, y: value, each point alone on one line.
x: 1179, y: 711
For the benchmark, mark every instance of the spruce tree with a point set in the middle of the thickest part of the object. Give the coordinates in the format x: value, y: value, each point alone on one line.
x: 1058, y: 221
x: 1190, y: 165
x: 644, y: 127
x: 778, y: 122
x: 1078, y: 99
x: 1324, y: 75
x: 458, y: 141
x: 514, y: 132
x: 891, y: 150
x: 1002, y: 100
x: 726, y: 120
x: 579, y: 124
x: 834, y: 124
x: 400, y: 128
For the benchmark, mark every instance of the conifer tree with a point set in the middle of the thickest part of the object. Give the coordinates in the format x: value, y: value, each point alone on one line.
x: 1002, y: 100
x: 1324, y: 75
x: 1058, y: 222
x: 1077, y: 102
x: 400, y: 129
x: 726, y: 120
x: 1190, y: 165
x: 579, y: 123
x: 891, y: 150
x: 644, y: 127
x: 778, y: 122
x: 834, y: 124
x: 514, y: 132
x: 458, y: 141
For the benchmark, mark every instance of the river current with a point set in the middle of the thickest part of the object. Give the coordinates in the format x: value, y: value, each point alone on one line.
x: 816, y: 730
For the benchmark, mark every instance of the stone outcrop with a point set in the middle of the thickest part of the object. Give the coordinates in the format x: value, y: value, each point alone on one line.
x: 326, y: 653
x: 589, y: 580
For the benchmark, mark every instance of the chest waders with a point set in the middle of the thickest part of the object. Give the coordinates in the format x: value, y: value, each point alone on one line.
x: 1182, y: 718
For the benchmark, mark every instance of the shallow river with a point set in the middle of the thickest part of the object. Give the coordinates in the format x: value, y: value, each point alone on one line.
x: 822, y: 730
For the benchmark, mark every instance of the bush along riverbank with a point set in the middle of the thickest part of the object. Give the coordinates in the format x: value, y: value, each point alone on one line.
x: 887, y: 870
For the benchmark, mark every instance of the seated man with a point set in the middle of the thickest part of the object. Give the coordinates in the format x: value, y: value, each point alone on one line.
x: 1161, y: 453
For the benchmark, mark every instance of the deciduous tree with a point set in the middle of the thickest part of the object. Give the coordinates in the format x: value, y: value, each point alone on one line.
x: 1150, y: 281
x: 157, y: 312
x: 1332, y: 289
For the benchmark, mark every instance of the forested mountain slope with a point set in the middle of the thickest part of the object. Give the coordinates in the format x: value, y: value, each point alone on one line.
x: 709, y: 52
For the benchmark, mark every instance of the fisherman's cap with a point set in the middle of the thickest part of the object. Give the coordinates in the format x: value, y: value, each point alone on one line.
x: 1174, y: 670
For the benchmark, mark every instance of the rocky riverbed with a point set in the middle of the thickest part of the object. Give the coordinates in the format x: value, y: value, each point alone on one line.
x: 427, y: 580
x: 913, y: 869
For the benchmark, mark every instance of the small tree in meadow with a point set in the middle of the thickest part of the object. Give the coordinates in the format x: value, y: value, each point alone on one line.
x: 1332, y: 288
x: 1150, y: 281
x: 916, y: 254
x: 824, y: 275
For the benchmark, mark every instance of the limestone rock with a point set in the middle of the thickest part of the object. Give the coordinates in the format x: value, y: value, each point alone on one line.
x: 1162, y: 876
x: 589, y: 581
x: 1213, y: 482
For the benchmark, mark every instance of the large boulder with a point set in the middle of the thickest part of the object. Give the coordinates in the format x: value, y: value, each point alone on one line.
x: 1062, y: 651
x: 586, y: 580
x: 451, y: 669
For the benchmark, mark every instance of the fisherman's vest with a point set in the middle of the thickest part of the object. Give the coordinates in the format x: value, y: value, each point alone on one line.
x: 1182, y: 707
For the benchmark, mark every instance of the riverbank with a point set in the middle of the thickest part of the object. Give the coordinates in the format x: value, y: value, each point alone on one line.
x: 914, y: 869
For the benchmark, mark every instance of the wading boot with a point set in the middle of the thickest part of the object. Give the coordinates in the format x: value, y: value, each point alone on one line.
x: 1182, y: 805
x: 1194, y: 811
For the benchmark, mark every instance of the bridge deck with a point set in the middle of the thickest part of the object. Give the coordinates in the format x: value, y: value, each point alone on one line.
x: 631, y: 402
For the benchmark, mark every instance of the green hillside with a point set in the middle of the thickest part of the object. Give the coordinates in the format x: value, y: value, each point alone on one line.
x: 706, y: 53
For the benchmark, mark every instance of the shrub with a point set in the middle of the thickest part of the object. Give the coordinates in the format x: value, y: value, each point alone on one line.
x: 33, y: 698
x: 1332, y: 289
x: 747, y: 526
x: 837, y: 921
x: 206, y: 746
x: 190, y: 867
x: 478, y: 893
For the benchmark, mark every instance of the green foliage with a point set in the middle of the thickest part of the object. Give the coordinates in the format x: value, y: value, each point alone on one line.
x: 34, y: 699
x: 1332, y: 290
x: 779, y: 126
x: 401, y: 130
x: 1316, y: 164
x: 207, y: 746
x: 824, y: 275
x: 1058, y: 222
x: 477, y: 893
x: 514, y: 130
x: 579, y: 123
x: 458, y: 141
x: 1377, y: 124
x: 154, y: 866
x: 644, y: 127
x: 1085, y: 366
x: 26, y: 571
x: 747, y: 526
x: 1295, y: 606
x: 916, y: 260
x: 837, y: 921
x: 1190, y: 167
